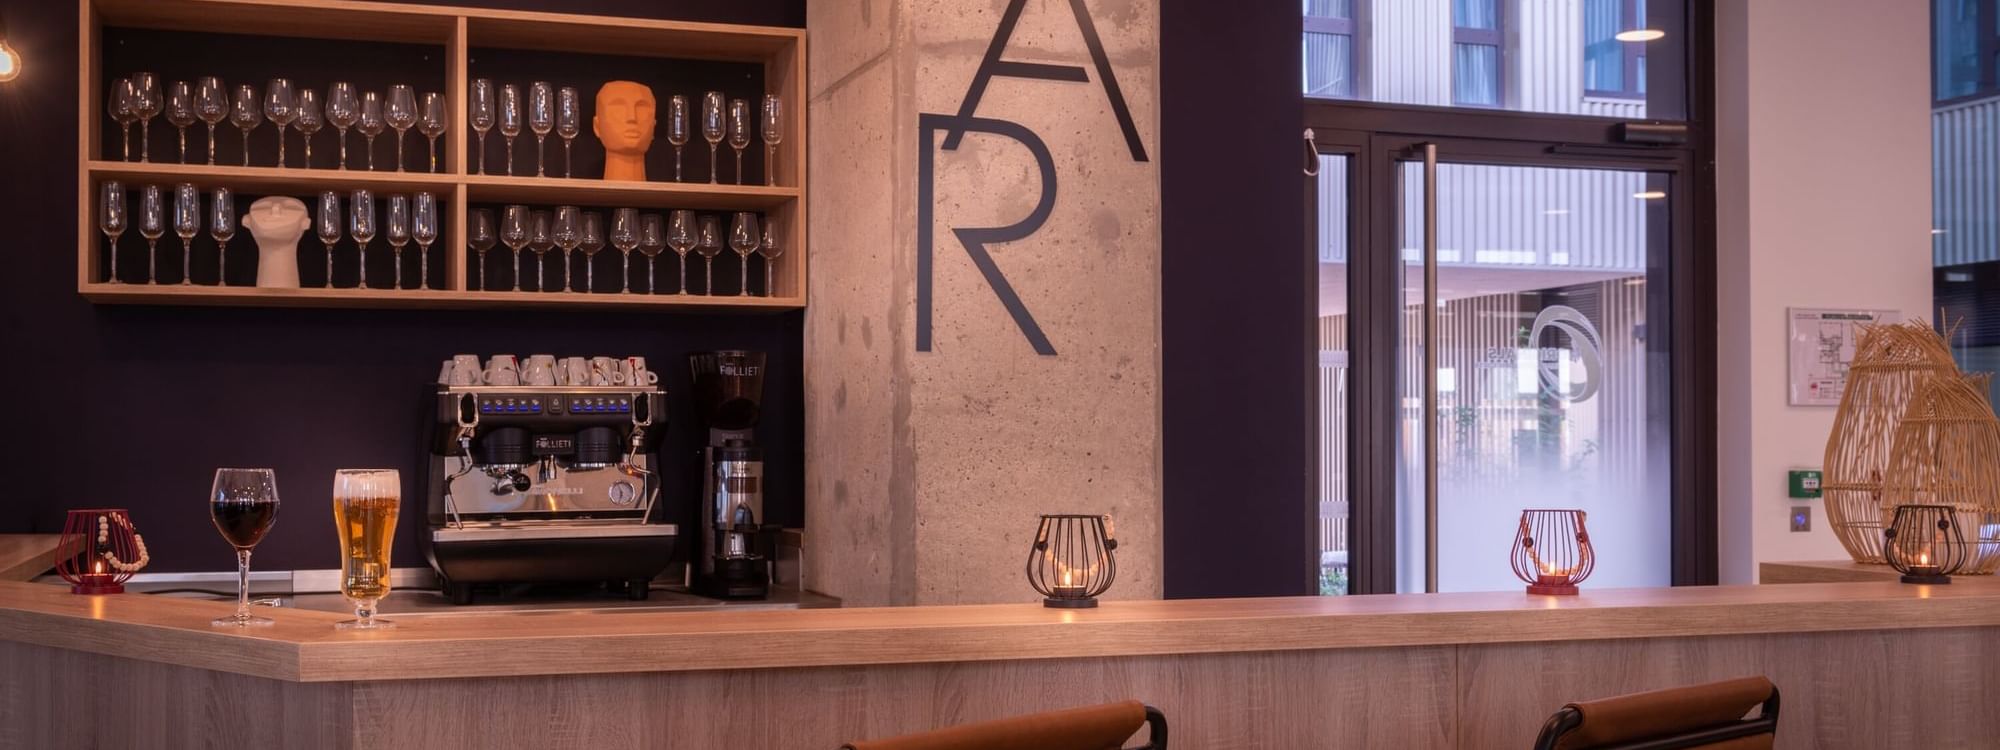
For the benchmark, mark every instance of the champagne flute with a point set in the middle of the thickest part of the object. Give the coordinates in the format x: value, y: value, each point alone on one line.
x: 211, y: 105
x: 709, y: 246
x: 652, y: 240
x: 539, y: 243
x: 514, y: 234
x: 424, y: 227
x: 431, y: 122
x: 222, y: 226
x: 625, y: 237
x: 739, y: 132
x: 481, y: 114
x: 180, y: 113
x: 365, y: 505
x: 712, y: 128
x: 397, y: 230
x: 187, y: 225
x: 245, y: 113
x: 123, y: 99
x: 770, y: 249
x: 281, y: 106
x: 743, y: 238
x: 774, y: 131
x: 152, y: 224
x: 401, y: 116
x: 311, y: 118
x: 568, y: 233
x: 343, y: 109
x: 510, y: 123
x: 681, y: 239
x: 569, y: 122
x: 541, y: 119
x: 243, y: 504
x: 479, y: 228
x: 111, y: 220
x: 677, y: 129
x: 146, y: 87
x: 361, y: 226
x: 370, y: 124
x: 593, y: 241
x: 328, y: 225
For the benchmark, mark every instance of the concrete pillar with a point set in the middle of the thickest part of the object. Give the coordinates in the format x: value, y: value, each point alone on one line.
x: 926, y: 469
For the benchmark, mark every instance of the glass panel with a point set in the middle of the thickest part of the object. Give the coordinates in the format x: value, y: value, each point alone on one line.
x: 1333, y: 380
x: 1965, y: 171
x: 1475, y: 14
x: 1551, y: 387
x: 1328, y: 64
x: 1603, y: 54
x: 1956, y: 47
x: 1330, y: 8
x: 1475, y: 75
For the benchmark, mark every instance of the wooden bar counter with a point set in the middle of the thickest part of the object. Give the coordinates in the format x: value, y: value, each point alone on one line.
x: 1860, y: 665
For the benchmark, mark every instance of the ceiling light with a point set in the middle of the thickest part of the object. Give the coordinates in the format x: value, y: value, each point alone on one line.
x: 1639, y: 35
x: 1650, y: 195
x: 10, y: 61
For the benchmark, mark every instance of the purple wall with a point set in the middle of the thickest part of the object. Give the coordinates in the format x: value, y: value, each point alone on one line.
x: 135, y: 406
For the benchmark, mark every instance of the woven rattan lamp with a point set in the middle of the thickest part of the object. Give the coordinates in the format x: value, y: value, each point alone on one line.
x: 1947, y: 453
x: 1890, y: 362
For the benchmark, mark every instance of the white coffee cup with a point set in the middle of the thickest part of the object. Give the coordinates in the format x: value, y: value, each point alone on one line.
x: 576, y: 371
x: 465, y: 370
x: 503, y: 370
x: 541, y: 370
x: 603, y: 371
x: 445, y: 373
x: 641, y: 375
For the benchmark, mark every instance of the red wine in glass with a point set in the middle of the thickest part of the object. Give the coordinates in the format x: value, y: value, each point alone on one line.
x: 243, y: 524
x: 243, y: 503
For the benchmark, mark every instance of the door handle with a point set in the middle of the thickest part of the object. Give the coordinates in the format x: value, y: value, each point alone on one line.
x: 1430, y: 341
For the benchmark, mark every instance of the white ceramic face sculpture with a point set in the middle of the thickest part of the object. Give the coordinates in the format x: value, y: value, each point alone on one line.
x: 277, y: 223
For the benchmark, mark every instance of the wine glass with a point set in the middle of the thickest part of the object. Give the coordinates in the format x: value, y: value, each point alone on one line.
x: 510, y: 122
x: 677, y: 129
x: 481, y: 114
x: 370, y: 124
x: 343, y: 109
x: 431, y: 122
x: 625, y: 237
x: 180, y: 113
x: 514, y: 234
x: 681, y: 239
x: 569, y: 122
x: 146, y: 87
x: 539, y: 243
x: 310, y: 119
x: 397, y: 231
x: 281, y: 106
x: 365, y: 505
x: 424, y: 228
x: 111, y: 220
x: 541, y: 118
x: 479, y: 231
x: 245, y: 113
x: 243, y: 503
x: 774, y: 131
x: 744, y: 239
x: 187, y: 225
x: 361, y: 226
x: 739, y: 132
x: 328, y: 225
x: 709, y: 246
x: 401, y: 116
x: 593, y: 241
x: 567, y: 234
x: 211, y: 105
x: 652, y: 240
x: 712, y: 128
x: 152, y: 224
x: 123, y: 98
x: 770, y: 249
x: 222, y: 227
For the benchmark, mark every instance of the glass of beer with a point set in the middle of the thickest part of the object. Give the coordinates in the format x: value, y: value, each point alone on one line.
x: 365, y: 502
x: 243, y: 503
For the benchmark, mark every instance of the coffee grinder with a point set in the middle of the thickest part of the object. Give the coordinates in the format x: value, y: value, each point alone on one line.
x: 737, y: 546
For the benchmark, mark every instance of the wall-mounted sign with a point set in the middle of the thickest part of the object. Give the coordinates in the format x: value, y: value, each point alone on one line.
x: 1822, y: 347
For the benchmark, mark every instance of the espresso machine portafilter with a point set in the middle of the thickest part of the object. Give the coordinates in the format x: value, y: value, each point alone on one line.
x: 737, y: 545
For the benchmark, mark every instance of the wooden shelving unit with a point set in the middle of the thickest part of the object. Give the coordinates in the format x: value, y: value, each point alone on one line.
x: 455, y: 31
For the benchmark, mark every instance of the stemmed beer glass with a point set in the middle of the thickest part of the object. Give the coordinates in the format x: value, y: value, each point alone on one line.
x: 677, y: 129
x: 111, y: 221
x: 569, y: 122
x: 774, y: 131
x: 424, y: 228
x: 712, y: 129
x: 243, y: 504
x: 222, y: 227
x: 361, y: 225
x: 187, y: 225
x: 510, y: 124
x: 397, y: 231
x: 152, y: 226
x: 739, y: 132
x: 328, y: 226
x: 365, y: 505
x: 541, y: 120
x: 281, y: 106
x: 481, y: 114
x: 743, y: 238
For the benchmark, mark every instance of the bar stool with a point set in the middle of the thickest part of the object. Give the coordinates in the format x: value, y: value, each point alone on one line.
x: 1697, y: 716
x: 1102, y: 727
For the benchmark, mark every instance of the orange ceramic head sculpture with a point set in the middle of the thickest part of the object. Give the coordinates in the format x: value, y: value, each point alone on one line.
x: 624, y: 124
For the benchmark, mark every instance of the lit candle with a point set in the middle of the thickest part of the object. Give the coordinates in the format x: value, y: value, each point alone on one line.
x: 1067, y: 587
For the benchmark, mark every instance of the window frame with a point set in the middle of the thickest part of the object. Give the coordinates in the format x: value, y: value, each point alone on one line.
x: 1629, y: 54
x: 1350, y: 27
x: 1987, y: 49
x: 1496, y: 38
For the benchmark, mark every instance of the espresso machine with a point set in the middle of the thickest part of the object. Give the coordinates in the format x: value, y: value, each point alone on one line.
x: 737, y: 546
x: 544, y: 484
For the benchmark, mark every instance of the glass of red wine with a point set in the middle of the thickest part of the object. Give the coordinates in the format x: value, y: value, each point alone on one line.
x: 243, y: 504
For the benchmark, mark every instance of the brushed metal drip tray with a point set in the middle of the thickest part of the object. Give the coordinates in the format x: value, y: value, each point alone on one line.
x: 543, y: 600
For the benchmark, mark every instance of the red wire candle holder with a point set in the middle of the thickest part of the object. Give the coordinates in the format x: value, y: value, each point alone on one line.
x: 99, y: 551
x: 1552, y: 551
